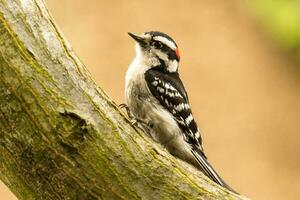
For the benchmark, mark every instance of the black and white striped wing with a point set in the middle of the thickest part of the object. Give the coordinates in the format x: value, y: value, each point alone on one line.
x: 169, y: 91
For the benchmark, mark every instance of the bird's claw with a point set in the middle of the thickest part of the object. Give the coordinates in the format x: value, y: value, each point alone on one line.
x: 124, y: 106
x: 134, y: 121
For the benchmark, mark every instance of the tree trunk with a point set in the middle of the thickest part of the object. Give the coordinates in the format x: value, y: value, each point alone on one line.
x: 61, y: 137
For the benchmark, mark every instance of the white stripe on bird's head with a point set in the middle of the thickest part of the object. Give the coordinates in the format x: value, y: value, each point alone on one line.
x: 165, y: 41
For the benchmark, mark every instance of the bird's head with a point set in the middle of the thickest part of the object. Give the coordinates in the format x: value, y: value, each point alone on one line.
x: 159, y: 46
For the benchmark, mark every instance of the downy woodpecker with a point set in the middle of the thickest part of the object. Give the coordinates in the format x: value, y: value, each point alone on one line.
x: 156, y: 98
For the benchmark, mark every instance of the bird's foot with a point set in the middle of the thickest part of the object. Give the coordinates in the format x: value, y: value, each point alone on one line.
x: 134, y: 121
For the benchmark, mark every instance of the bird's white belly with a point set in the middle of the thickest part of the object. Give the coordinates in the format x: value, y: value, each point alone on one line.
x: 145, y: 107
x: 164, y: 129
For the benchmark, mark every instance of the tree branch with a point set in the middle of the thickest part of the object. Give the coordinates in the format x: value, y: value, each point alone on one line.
x: 61, y: 137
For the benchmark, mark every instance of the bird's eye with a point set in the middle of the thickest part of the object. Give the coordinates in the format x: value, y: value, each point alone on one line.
x: 157, y: 44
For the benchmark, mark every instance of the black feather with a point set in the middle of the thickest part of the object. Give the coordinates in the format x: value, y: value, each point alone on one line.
x: 163, y: 77
x: 209, y: 170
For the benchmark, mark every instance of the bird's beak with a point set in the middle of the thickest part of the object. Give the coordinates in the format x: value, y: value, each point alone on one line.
x: 140, y: 39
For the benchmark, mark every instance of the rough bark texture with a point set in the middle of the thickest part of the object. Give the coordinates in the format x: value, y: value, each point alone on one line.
x: 61, y: 137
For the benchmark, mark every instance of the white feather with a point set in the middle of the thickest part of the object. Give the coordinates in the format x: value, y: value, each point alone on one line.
x: 165, y: 41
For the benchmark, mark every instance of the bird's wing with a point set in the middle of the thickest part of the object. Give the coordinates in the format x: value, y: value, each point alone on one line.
x: 169, y: 91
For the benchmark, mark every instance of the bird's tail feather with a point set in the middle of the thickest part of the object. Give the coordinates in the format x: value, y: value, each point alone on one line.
x: 208, y: 169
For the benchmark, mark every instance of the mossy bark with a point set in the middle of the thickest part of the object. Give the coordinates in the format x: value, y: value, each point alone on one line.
x: 61, y: 137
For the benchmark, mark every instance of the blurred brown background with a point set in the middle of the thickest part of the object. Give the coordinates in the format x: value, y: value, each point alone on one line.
x: 243, y: 88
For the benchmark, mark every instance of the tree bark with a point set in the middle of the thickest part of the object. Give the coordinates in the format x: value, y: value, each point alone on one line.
x: 62, y: 137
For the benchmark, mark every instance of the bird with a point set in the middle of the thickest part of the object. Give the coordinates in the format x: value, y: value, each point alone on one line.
x: 156, y: 99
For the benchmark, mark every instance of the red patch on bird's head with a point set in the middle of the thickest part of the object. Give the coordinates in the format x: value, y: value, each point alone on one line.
x: 177, y: 53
